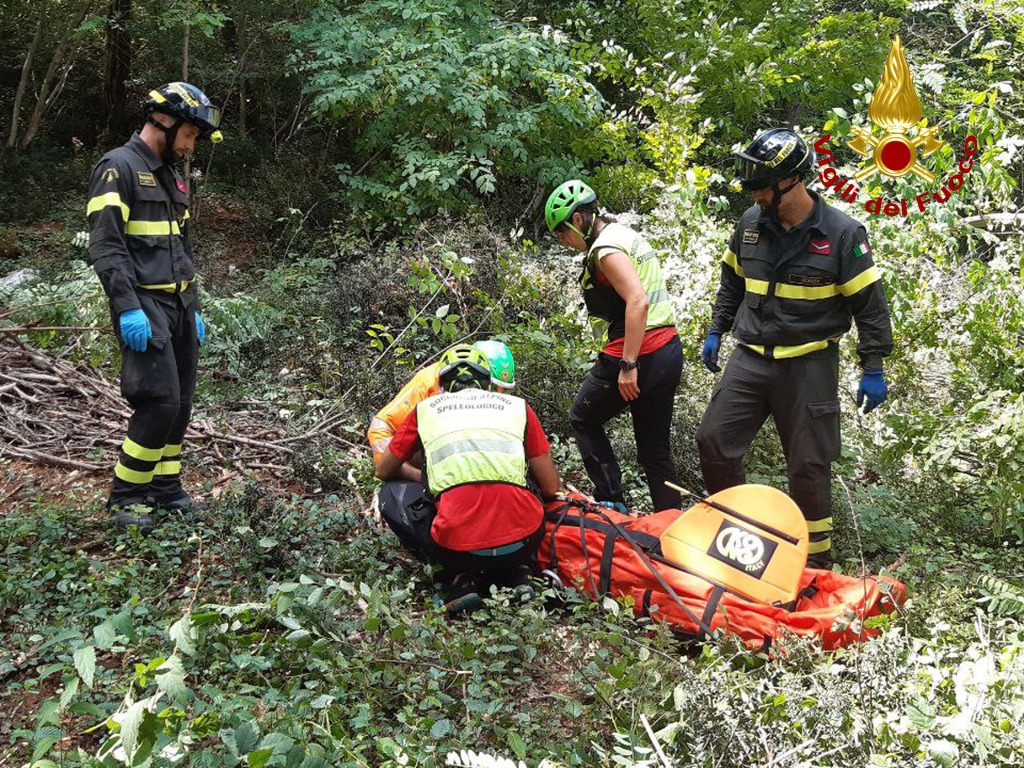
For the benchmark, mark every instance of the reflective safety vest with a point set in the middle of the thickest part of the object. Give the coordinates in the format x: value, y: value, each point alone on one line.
x: 607, y: 309
x: 390, y: 418
x: 472, y: 436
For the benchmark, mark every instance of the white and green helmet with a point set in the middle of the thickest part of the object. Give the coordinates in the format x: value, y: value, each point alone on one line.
x: 503, y: 366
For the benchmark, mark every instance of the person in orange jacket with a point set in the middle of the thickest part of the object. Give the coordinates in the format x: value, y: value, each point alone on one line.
x: 386, y: 423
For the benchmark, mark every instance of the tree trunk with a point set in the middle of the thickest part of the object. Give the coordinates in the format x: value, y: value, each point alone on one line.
x: 119, y: 66
x: 12, y: 139
x: 184, y: 76
x: 43, y: 101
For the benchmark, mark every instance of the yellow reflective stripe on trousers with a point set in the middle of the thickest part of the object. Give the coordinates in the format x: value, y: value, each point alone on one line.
x: 811, y: 293
x: 819, y: 526
x: 861, y: 281
x: 112, y: 200
x: 140, y: 452
x: 817, y: 547
x: 152, y: 228
x: 731, y: 259
x: 167, y: 468
x: 172, y: 450
x: 756, y: 286
x: 131, y: 475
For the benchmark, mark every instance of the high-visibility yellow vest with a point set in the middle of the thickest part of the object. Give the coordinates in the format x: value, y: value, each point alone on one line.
x: 607, y: 309
x: 472, y: 436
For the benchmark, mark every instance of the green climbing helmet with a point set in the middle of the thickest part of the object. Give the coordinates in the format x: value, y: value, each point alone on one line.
x: 565, y: 200
x: 503, y: 366
x: 464, y: 366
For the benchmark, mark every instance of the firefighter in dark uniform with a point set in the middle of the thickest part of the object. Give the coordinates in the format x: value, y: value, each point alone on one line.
x: 140, y: 248
x: 794, y: 275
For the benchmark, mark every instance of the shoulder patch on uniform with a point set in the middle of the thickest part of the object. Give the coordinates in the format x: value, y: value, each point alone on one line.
x: 111, y: 175
x: 861, y: 249
x: 751, y: 236
x: 146, y: 179
x: 181, y: 186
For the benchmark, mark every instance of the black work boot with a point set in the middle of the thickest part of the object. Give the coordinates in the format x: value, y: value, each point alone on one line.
x: 129, y: 505
x: 125, y: 513
x: 167, y: 493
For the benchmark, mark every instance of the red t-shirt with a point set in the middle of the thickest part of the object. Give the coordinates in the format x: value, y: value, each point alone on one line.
x: 481, y: 515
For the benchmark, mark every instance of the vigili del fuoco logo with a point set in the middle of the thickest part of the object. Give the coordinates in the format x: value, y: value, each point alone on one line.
x: 896, y: 109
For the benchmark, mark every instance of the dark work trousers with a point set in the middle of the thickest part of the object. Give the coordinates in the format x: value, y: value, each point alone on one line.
x: 802, y: 396
x: 599, y: 399
x: 158, y: 384
x: 408, y: 511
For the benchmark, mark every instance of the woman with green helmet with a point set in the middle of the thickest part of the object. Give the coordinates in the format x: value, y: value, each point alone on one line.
x: 641, y: 358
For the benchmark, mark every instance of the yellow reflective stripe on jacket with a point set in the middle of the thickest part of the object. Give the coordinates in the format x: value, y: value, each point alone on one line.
x: 472, y: 436
x: 151, y: 228
x: 172, y: 450
x: 733, y: 261
x: 861, y: 281
x: 810, y: 293
x: 780, y: 352
x: 167, y: 468
x: 169, y: 287
x: 817, y: 547
x: 819, y: 526
x: 131, y: 475
x: 140, y: 452
x: 756, y: 286
x: 111, y: 200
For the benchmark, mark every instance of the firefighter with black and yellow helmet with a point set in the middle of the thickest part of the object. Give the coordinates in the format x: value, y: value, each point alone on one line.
x: 795, y: 274
x: 139, y: 244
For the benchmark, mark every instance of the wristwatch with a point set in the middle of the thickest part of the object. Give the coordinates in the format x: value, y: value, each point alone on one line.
x: 627, y: 365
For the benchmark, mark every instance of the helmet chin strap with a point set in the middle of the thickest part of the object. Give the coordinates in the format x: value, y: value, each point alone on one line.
x: 170, y: 136
x: 586, y: 235
x: 773, y: 209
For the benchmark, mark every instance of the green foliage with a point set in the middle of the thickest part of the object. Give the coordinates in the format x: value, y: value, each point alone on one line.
x: 443, y: 101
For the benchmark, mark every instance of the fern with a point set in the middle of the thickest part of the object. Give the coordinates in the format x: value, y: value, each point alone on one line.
x: 1001, y: 597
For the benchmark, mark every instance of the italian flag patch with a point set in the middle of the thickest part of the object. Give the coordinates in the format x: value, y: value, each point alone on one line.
x: 862, y: 249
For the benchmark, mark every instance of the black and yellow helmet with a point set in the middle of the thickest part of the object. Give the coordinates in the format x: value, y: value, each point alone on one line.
x: 774, y: 155
x: 186, y: 102
x: 464, y: 366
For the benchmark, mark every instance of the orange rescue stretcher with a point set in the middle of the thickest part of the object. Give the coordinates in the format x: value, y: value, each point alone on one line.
x: 735, y: 561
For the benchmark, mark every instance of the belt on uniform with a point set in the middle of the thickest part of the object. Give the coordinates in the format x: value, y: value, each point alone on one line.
x: 178, y: 287
x: 507, y: 549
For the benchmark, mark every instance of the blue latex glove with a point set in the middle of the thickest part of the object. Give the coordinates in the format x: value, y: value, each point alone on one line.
x: 872, y: 390
x: 135, y: 329
x: 618, y: 506
x: 200, y: 329
x: 710, y: 352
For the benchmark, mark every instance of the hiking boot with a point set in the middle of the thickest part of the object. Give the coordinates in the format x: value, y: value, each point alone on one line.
x: 169, y: 495
x: 517, y: 579
x: 462, y: 595
x: 125, y: 513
